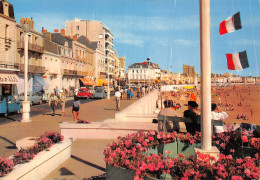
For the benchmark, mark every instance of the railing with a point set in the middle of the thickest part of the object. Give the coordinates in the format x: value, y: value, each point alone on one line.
x: 82, y: 73
x: 8, y: 42
x: 69, y: 72
x: 11, y: 66
x: 33, y: 69
x: 31, y: 47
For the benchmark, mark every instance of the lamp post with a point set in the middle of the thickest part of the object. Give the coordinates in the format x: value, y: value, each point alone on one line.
x: 26, y: 103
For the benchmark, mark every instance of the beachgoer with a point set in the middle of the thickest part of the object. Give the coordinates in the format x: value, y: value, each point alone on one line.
x: 217, y: 114
x: 192, y: 114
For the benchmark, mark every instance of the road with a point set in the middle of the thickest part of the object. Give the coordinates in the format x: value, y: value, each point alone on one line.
x: 42, y: 109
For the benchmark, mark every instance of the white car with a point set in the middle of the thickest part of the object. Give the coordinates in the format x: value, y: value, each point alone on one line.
x: 35, y: 98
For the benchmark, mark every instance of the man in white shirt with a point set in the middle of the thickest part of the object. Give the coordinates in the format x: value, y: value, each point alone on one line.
x: 217, y: 114
x: 117, y: 97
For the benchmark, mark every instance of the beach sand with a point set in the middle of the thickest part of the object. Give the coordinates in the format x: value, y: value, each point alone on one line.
x: 247, y: 94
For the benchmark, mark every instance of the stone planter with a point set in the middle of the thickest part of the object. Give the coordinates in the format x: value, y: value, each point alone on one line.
x: 173, y: 147
x: 119, y: 173
x: 187, y: 149
x: 43, y: 163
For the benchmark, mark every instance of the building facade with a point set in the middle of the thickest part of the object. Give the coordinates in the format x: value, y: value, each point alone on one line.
x: 8, y: 68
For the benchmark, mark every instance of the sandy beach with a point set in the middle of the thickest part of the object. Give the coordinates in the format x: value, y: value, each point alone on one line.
x: 235, y: 100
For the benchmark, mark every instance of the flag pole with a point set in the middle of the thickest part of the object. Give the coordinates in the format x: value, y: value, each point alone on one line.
x: 205, y: 69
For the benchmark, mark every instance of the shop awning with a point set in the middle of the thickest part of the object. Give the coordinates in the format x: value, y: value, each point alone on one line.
x: 84, y: 81
x: 102, y: 82
x: 6, y: 78
x: 38, y: 83
x: 92, y: 82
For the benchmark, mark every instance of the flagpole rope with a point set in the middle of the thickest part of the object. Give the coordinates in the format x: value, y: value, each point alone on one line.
x: 253, y: 37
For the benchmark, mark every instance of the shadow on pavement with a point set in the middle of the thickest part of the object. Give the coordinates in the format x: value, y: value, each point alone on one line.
x: 88, y: 163
x: 7, y: 140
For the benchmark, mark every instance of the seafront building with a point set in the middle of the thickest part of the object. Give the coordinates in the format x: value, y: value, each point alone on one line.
x: 57, y: 59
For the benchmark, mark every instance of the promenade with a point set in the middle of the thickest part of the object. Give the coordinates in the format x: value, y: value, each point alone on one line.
x: 87, y: 155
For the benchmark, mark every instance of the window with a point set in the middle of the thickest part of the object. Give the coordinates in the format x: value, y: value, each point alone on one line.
x: 77, y: 27
x: 6, y: 31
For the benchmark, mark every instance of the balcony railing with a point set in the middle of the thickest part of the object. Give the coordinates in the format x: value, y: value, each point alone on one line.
x: 32, y: 68
x: 82, y: 73
x: 69, y: 72
x: 8, y: 42
x: 8, y: 66
x: 31, y: 47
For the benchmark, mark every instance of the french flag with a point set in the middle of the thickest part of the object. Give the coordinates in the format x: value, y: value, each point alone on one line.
x: 237, y: 61
x: 230, y: 24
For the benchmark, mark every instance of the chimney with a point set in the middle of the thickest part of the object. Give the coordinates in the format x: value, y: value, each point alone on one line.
x: 75, y: 38
x: 44, y: 30
x: 27, y: 21
x: 62, y: 31
x: 56, y: 31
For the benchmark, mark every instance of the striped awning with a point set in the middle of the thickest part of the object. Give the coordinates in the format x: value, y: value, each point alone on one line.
x: 6, y: 78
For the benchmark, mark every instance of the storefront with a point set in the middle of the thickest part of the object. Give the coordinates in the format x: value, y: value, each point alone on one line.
x: 7, y: 83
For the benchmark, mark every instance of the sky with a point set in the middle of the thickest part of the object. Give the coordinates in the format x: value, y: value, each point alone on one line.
x: 166, y: 31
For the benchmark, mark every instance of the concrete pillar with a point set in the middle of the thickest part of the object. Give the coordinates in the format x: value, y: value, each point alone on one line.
x: 205, y: 68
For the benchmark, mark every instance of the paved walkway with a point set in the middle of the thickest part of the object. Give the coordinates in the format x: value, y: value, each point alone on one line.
x: 87, y: 155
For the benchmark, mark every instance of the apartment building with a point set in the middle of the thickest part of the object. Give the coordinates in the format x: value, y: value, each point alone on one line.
x: 36, y: 66
x: 8, y: 68
x: 99, y: 34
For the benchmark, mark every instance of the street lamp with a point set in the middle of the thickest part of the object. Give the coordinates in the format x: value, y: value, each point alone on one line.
x: 26, y: 103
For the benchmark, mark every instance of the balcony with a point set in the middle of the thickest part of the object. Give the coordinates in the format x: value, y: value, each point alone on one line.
x: 32, y: 69
x: 110, y: 58
x: 109, y: 34
x: 31, y: 47
x: 69, y: 72
x: 8, y: 42
x: 108, y: 41
x: 109, y: 49
x: 8, y: 66
x: 82, y: 73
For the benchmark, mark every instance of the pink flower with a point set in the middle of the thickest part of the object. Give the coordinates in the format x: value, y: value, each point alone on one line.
x: 244, y: 139
x: 236, y: 178
x: 168, y: 152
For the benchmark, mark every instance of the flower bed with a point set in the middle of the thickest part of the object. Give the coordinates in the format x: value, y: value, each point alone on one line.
x: 132, y: 153
x: 47, y: 152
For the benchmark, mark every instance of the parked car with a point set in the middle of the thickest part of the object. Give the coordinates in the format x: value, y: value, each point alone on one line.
x: 35, y: 98
x: 99, y: 93
x: 8, y: 104
x: 84, y: 93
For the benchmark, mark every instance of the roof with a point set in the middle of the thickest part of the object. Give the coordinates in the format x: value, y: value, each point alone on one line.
x: 84, y: 40
x: 60, y: 39
x: 148, y: 64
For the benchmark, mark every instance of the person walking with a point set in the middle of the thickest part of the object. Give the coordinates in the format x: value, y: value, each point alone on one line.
x: 53, y: 102
x: 128, y: 93
x: 76, y: 109
x: 62, y: 103
x: 117, y: 97
x: 131, y: 93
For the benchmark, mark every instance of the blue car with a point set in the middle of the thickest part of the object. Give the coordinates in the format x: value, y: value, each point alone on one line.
x: 8, y: 104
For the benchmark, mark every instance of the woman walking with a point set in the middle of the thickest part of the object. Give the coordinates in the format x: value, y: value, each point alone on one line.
x: 62, y: 103
x: 76, y: 109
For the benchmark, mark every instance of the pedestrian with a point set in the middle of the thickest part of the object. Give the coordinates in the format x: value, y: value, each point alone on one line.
x: 57, y: 91
x: 138, y: 93
x: 117, y: 97
x: 131, y: 93
x: 191, y: 113
x: 128, y: 93
x: 218, y: 115
x: 76, y: 109
x: 53, y: 102
x: 62, y: 103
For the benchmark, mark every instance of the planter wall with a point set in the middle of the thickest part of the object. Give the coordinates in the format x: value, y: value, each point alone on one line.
x: 176, y: 148
x: 43, y: 163
x: 119, y: 173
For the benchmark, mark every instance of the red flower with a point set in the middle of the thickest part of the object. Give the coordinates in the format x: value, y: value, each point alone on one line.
x: 244, y: 138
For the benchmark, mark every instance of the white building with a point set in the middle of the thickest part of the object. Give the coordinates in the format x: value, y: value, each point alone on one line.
x: 139, y: 73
